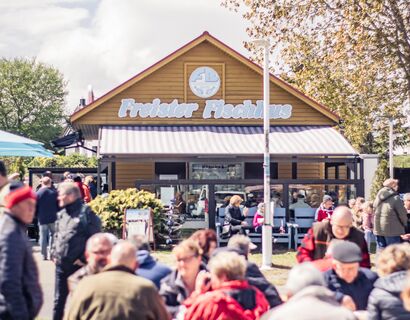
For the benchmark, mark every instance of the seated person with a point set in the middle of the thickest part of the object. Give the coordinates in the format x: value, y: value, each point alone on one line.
x: 316, y: 241
x: 385, y: 301
x: 259, y: 218
x: 148, y: 267
x: 305, y: 287
x: 180, y: 283
x: 346, y: 276
x: 300, y: 203
x: 243, y: 246
x: 206, y: 239
x: 224, y: 293
x: 234, y: 216
x: 325, y: 210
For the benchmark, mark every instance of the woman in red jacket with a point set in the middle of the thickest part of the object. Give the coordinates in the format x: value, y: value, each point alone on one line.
x: 325, y: 211
x: 231, y: 296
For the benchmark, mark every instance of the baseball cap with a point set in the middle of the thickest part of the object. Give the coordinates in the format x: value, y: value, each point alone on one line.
x: 347, y: 252
x: 326, y: 197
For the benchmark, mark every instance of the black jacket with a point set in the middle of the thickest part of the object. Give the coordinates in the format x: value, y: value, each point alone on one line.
x: 46, y: 208
x: 233, y: 215
x: 257, y: 279
x: 359, y: 290
x: 384, y: 300
x: 75, y: 224
x: 20, y: 292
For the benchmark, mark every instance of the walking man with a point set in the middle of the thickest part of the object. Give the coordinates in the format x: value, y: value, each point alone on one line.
x: 75, y: 224
x: 47, y: 208
x: 20, y: 292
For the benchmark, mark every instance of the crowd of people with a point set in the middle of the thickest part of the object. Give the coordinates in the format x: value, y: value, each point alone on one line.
x: 98, y: 276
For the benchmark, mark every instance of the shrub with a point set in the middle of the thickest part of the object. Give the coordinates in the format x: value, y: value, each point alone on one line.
x: 110, y: 208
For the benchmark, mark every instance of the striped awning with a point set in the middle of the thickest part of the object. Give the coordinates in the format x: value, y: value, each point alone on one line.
x: 222, y: 140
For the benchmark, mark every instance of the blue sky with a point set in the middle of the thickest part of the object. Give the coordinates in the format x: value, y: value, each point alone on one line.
x: 104, y: 42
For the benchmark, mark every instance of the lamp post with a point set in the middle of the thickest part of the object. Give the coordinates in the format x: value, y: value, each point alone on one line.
x: 267, y: 224
x: 391, y: 171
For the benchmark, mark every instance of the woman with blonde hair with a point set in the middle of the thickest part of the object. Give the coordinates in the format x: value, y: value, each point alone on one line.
x: 180, y: 283
x: 234, y: 217
x: 384, y: 301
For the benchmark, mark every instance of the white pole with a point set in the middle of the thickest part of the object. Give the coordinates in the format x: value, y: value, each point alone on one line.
x: 267, y: 225
x: 391, y: 171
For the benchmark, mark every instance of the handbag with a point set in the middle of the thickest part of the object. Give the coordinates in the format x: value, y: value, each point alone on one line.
x: 226, y: 231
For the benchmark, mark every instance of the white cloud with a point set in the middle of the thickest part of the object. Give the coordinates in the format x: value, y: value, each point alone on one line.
x: 105, y: 42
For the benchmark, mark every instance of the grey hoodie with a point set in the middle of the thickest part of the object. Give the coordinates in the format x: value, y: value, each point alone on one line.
x: 390, y: 214
x: 384, y: 300
x: 311, y: 303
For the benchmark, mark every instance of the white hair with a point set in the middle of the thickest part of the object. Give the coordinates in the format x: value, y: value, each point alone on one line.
x: 406, y: 196
x: 302, y: 276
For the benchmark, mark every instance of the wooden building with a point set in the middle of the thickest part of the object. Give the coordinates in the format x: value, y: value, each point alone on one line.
x: 192, y: 123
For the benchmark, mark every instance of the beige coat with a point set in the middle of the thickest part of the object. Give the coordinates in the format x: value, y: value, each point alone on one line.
x: 390, y: 214
x: 116, y: 293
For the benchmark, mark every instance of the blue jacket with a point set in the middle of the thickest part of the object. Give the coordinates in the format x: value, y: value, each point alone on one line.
x: 20, y: 292
x: 47, y: 207
x: 359, y: 290
x: 150, y: 269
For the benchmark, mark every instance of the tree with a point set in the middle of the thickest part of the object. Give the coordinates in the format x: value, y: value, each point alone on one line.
x: 351, y: 55
x: 31, y: 99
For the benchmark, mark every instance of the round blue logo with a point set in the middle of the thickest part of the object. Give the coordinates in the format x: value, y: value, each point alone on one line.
x: 204, y: 82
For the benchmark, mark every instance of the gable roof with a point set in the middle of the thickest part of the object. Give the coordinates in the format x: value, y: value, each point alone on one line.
x: 225, y: 48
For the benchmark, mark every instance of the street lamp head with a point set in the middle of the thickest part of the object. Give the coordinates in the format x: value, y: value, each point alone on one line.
x: 261, y: 42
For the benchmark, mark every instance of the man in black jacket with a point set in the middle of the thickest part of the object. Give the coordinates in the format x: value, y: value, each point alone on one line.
x: 75, y: 224
x: 46, y: 212
x: 241, y: 244
x: 20, y: 292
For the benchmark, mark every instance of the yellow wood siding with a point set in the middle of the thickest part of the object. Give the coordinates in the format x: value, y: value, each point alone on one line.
x: 127, y: 173
x: 285, y: 170
x: 170, y: 81
x: 309, y: 170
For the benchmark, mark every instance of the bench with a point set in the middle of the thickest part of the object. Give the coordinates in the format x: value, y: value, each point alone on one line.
x: 281, y: 230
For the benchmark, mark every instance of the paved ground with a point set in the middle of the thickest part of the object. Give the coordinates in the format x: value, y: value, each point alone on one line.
x: 46, y: 269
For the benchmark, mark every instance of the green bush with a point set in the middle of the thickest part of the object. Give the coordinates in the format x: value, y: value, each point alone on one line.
x: 110, y: 208
x: 73, y: 160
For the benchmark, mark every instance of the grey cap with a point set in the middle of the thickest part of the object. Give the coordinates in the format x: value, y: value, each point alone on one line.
x: 326, y: 197
x: 347, y: 252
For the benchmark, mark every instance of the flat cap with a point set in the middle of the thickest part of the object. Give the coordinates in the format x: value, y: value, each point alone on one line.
x: 347, y: 252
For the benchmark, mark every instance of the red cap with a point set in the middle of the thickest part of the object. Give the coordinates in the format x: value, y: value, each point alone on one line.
x: 18, y: 195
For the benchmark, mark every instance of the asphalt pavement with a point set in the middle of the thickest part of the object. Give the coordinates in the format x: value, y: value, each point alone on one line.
x: 47, y: 273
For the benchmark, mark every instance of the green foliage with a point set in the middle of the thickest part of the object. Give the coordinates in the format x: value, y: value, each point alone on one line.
x: 111, y: 208
x: 31, y: 99
x: 73, y: 160
x: 402, y: 161
x: 382, y: 173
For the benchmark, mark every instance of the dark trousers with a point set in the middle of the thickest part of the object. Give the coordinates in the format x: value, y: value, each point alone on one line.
x: 61, y: 289
x: 382, y: 242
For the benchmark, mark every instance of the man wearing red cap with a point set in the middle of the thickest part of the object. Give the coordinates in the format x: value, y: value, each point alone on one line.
x: 20, y: 292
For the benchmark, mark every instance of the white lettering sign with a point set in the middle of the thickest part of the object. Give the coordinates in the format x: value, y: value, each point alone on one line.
x: 216, y: 109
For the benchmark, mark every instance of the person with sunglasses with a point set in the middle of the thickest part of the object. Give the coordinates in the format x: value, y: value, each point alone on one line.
x: 180, y: 283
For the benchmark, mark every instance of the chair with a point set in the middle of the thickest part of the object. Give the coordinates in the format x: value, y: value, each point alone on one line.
x: 281, y: 229
x: 220, y: 216
x: 304, y: 218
